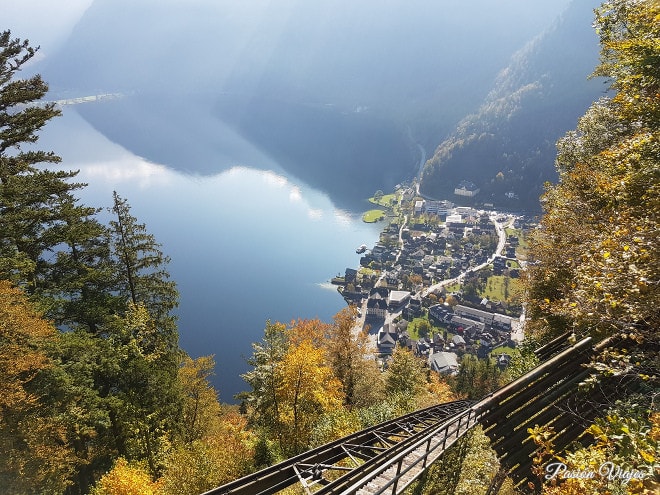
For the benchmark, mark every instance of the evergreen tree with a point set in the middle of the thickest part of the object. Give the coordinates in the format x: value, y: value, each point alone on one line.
x: 265, y: 379
x: 29, y: 195
x: 143, y: 277
x: 37, y: 456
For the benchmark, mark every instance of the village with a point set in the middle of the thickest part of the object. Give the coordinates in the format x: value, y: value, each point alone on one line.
x: 442, y: 281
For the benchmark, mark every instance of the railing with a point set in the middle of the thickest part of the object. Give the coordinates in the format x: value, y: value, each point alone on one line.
x: 388, y: 457
x: 397, y: 470
x: 364, y: 450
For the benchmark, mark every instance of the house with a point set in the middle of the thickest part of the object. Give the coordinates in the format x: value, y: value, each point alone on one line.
x: 458, y: 341
x: 386, y: 339
x: 441, y: 208
x: 376, y: 307
x: 502, y: 321
x: 474, y: 314
x: 408, y: 194
x: 467, y: 189
x: 398, y: 299
x: 439, y: 312
x: 413, y: 309
x: 456, y: 227
x: 383, y: 292
x: 503, y: 360
x: 444, y: 362
x: 438, y: 342
x: 461, y: 324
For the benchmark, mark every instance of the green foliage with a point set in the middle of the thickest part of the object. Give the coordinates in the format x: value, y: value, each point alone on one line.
x: 596, y: 262
x: 477, y: 377
x: 144, y: 278
x: 405, y: 379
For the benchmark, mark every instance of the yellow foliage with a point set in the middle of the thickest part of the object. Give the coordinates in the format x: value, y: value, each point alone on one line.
x: 224, y: 454
x: 307, y: 390
x: 35, y: 456
x: 125, y: 479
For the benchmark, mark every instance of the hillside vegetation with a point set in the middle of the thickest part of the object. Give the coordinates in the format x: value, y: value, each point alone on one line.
x: 98, y: 397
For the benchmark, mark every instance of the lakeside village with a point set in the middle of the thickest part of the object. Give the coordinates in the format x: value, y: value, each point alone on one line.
x: 443, y: 280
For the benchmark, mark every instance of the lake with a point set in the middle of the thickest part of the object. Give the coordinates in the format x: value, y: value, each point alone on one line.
x: 248, y: 244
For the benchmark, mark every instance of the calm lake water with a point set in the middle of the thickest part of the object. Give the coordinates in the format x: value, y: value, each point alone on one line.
x: 247, y: 245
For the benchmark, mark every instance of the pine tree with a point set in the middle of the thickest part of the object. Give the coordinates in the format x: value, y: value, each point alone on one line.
x: 143, y: 277
x: 29, y: 195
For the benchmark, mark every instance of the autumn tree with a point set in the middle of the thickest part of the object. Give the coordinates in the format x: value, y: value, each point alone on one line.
x: 200, y: 400
x: 292, y: 383
x: 351, y: 359
x: 596, y: 255
x: 308, y: 388
x: 405, y: 379
x: 36, y: 456
x: 596, y: 263
x: 225, y: 453
x: 126, y: 479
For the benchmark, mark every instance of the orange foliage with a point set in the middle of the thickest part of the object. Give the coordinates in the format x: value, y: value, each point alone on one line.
x: 35, y: 455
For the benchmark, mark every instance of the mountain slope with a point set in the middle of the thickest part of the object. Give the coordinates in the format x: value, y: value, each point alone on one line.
x: 508, y: 145
x: 334, y: 92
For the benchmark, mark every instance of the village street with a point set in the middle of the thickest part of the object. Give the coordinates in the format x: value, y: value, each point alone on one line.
x: 499, y: 221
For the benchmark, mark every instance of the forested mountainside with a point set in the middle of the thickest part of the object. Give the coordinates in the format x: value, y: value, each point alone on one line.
x: 336, y: 93
x: 508, y: 144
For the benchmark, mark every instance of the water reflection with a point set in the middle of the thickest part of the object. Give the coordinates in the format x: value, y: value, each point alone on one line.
x: 246, y: 244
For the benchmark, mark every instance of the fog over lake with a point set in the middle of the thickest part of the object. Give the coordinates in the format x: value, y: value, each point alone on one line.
x: 249, y: 133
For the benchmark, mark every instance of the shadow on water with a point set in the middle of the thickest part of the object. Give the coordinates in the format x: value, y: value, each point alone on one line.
x: 346, y: 154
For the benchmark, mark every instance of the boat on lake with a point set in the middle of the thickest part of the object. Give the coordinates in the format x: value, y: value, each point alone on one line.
x: 361, y: 249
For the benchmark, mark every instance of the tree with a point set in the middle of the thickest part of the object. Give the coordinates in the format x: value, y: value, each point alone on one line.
x: 477, y: 377
x: 144, y: 278
x: 30, y: 197
x: 200, y: 400
x: 348, y: 354
x: 126, y: 479
x: 307, y: 389
x: 36, y: 456
x: 405, y: 379
x: 80, y: 287
x: 224, y: 454
x: 145, y: 398
x: 265, y: 379
x: 596, y: 262
x: 597, y: 258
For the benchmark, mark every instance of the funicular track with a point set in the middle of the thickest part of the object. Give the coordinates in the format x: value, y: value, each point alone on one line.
x: 361, y: 453
x: 388, y: 457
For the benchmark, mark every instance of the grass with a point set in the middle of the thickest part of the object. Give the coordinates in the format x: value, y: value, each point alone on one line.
x: 495, y: 287
x: 523, y: 244
x: 373, y: 216
x: 453, y: 287
x: 385, y: 200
